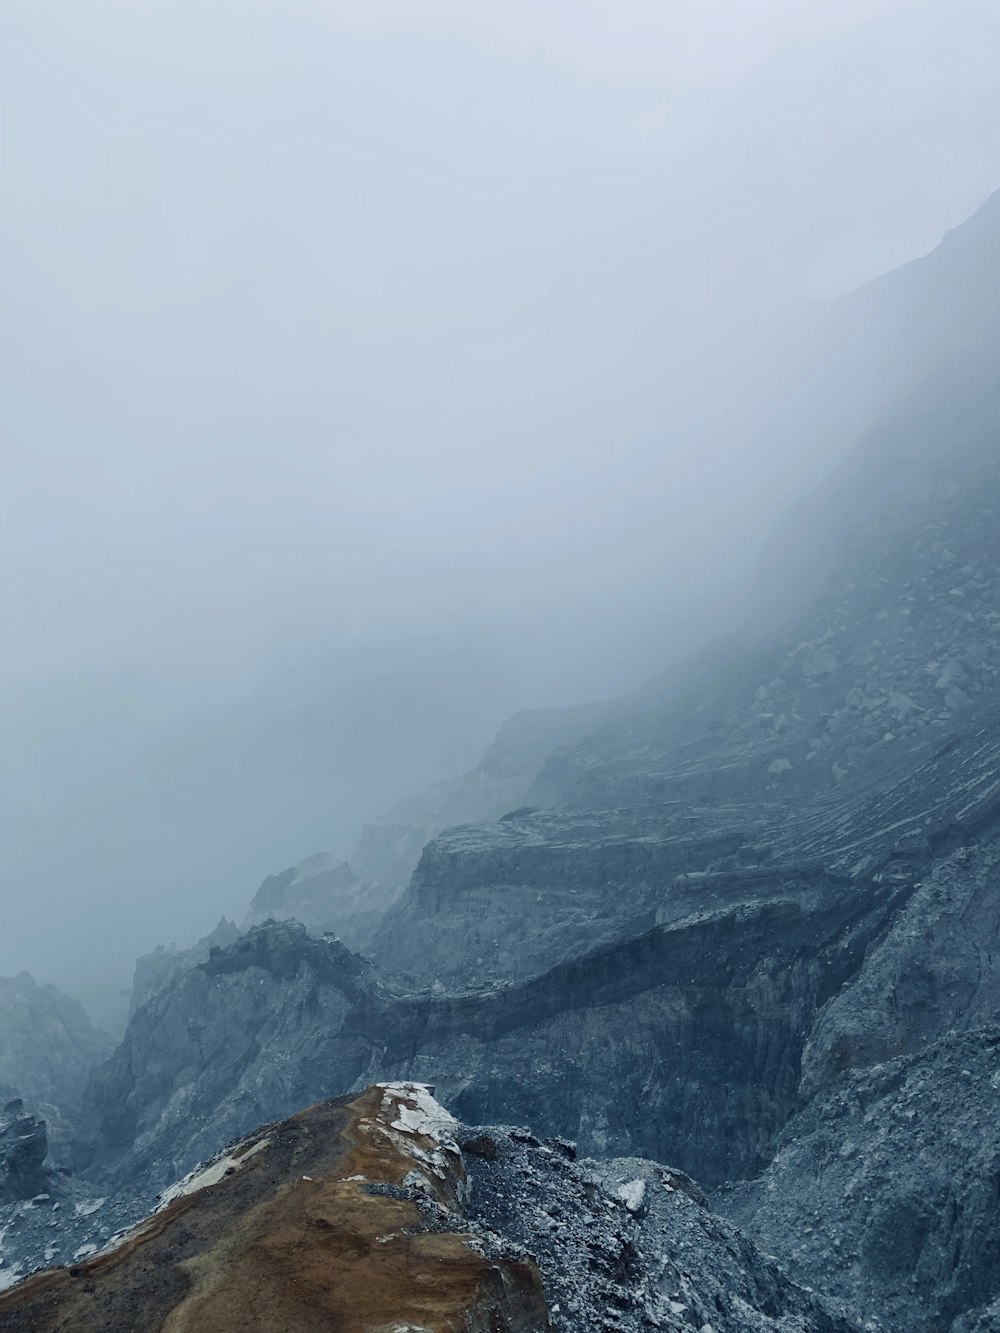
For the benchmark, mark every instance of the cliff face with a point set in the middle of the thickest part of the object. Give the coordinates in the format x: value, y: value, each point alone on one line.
x: 684, y: 1042
x: 743, y: 921
x: 391, y: 845
x: 155, y: 970
x: 885, y: 1188
x: 746, y: 890
x: 23, y: 1149
x: 47, y: 1048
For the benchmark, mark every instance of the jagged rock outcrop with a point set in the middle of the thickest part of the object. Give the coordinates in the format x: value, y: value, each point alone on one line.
x: 349, y: 1215
x: 716, y: 1005
x: 886, y: 1186
x: 247, y: 1036
x: 325, y: 895
x: 380, y: 1211
x: 155, y: 970
x: 936, y: 972
x: 23, y: 1149
x: 627, y: 1244
x: 47, y: 1049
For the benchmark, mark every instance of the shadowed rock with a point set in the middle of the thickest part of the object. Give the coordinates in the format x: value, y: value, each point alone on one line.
x: 23, y: 1149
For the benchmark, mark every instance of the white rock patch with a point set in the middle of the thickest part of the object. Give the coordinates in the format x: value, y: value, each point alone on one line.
x: 211, y: 1172
x: 632, y: 1194
x: 410, y: 1109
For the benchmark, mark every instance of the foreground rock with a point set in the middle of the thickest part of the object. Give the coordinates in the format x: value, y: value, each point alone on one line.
x: 628, y: 1245
x: 347, y: 1216
x: 380, y: 1212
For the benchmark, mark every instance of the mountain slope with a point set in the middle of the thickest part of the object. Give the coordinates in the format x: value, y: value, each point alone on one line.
x: 379, y: 1211
x: 47, y: 1049
x: 733, y: 917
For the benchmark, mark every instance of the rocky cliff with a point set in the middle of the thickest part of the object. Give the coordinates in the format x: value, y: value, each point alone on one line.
x: 391, y: 845
x: 47, y: 1049
x: 23, y: 1149
x: 743, y: 921
x: 325, y: 895
x: 716, y: 1008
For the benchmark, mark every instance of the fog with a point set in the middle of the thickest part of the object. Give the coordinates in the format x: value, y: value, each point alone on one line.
x: 350, y: 356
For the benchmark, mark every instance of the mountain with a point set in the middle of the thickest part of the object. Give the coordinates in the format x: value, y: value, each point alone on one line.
x: 349, y: 899
x: 47, y: 1049
x: 380, y: 1211
x: 743, y: 921
x: 391, y: 845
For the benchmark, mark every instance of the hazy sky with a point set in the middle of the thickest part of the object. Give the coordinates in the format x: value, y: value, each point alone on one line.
x: 352, y: 333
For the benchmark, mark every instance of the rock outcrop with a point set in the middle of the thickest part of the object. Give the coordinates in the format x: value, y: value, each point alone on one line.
x: 47, y: 1049
x: 325, y: 895
x: 23, y: 1149
x: 886, y: 1189
x: 743, y: 921
x: 155, y: 970
x: 349, y: 1215
x: 379, y: 1211
x: 716, y: 1005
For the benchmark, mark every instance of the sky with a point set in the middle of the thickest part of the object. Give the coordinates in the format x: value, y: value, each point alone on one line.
x: 346, y: 351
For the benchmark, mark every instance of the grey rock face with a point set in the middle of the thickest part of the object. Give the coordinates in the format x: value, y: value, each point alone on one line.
x: 323, y: 894
x: 985, y: 1320
x: 885, y: 1190
x: 47, y: 1049
x: 155, y: 970
x: 683, y: 1043
x: 252, y: 1034
x: 935, y: 972
x: 629, y: 1245
x: 23, y: 1149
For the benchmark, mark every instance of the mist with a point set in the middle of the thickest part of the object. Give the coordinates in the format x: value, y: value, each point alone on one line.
x: 361, y: 368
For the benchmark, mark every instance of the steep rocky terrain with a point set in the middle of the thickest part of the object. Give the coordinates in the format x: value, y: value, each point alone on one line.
x: 391, y: 845
x: 23, y: 1149
x: 155, y: 970
x: 744, y: 921
x: 683, y: 1041
x: 349, y: 899
x: 380, y: 1211
x: 887, y: 1188
x: 323, y: 894
x: 47, y: 1048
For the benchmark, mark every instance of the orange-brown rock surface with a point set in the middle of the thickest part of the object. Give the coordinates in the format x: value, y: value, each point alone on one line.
x: 310, y: 1224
